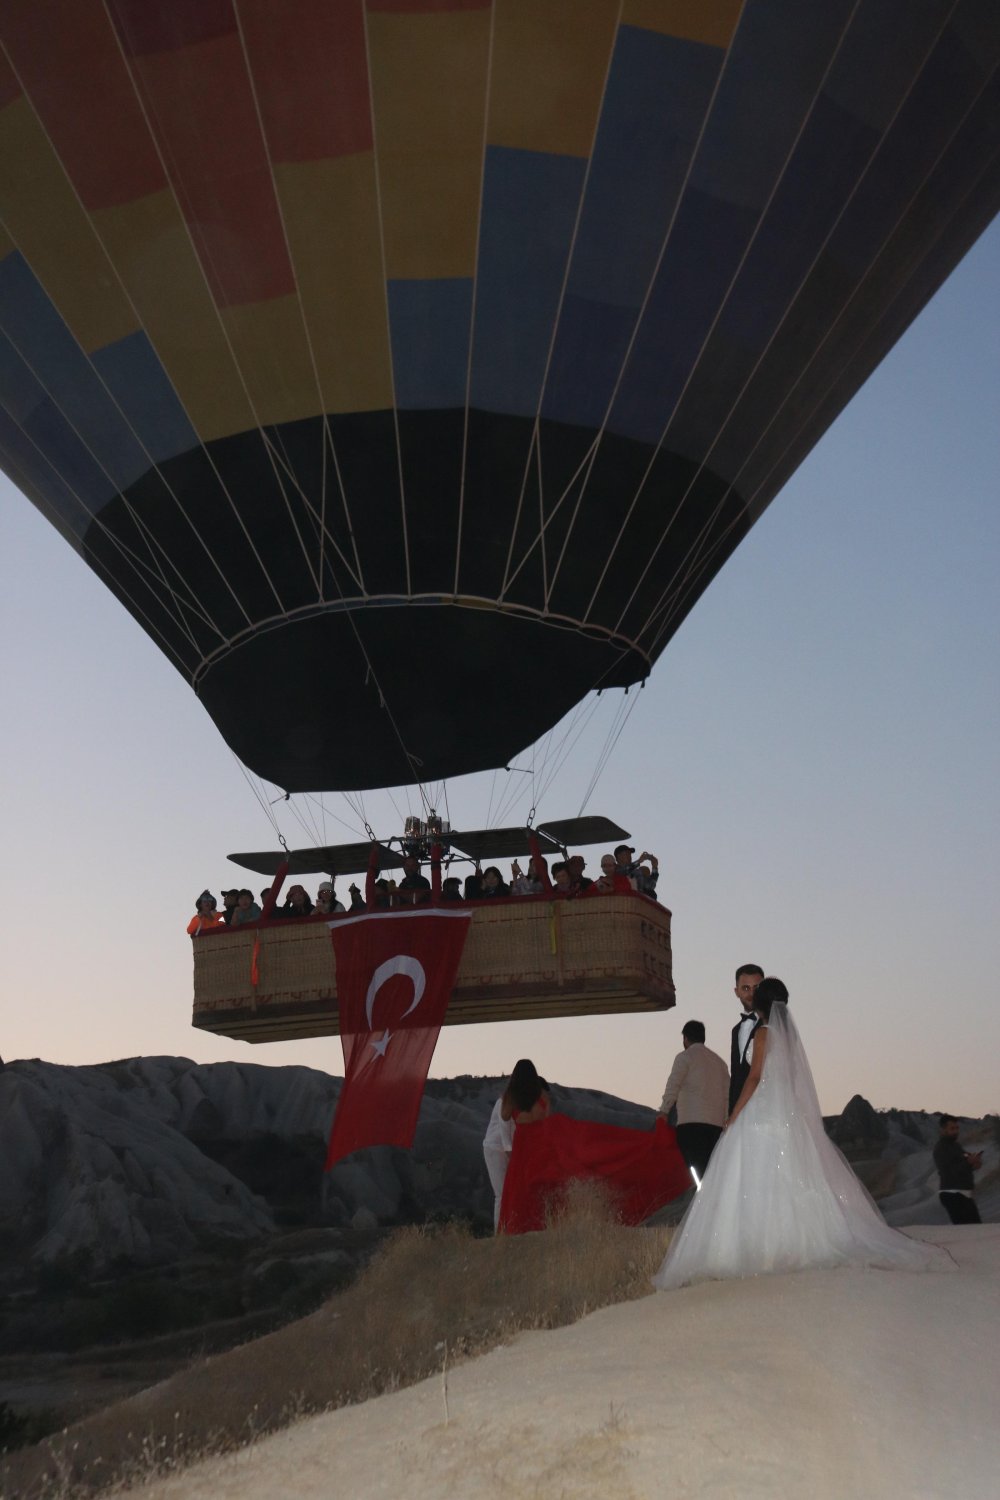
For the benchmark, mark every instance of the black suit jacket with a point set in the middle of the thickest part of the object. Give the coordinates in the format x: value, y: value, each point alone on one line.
x: 739, y: 1068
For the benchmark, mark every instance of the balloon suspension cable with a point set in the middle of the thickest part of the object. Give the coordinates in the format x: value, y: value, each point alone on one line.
x: 262, y: 802
x: 622, y: 716
x: 281, y: 841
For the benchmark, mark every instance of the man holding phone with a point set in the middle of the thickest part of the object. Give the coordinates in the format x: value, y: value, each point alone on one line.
x: 955, y: 1170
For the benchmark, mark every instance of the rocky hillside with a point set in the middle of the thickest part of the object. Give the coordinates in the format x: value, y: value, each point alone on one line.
x: 152, y: 1160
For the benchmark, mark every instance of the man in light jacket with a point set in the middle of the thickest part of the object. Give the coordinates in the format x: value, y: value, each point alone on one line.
x: 699, y: 1088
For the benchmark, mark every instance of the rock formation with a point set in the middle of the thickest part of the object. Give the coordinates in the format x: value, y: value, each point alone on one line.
x: 150, y: 1160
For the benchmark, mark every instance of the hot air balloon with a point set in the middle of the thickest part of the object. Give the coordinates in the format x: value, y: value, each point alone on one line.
x: 408, y: 368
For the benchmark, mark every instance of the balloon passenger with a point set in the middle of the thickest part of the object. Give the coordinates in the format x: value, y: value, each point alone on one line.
x: 205, y: 916
x: 414, y: 888
x: 298, y: 903
x: 645, y: 879
x: 612, y: 882
x: 493, y: 883
x: 531, y: 883
x: 326, y: 900
x: 247, y: 909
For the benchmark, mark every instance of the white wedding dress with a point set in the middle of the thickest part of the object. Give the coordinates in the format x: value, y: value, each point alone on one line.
x: 778, y: 1195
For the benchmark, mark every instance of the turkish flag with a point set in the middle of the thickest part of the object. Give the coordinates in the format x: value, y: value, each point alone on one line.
x: 641, y: 1169
x: 395, y: 974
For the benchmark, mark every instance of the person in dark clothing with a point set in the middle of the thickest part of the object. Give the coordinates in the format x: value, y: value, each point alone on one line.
x: 298, y: 903
x: 493, y: 883
x: 626, y: 864
x: 955, y: 1170
x: 414, y: 888
x: 748, y: 977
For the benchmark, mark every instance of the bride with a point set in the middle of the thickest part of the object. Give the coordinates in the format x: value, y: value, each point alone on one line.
x: 778, y: 1195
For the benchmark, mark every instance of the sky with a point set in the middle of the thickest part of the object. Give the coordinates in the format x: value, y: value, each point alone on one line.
x: 814, y: 760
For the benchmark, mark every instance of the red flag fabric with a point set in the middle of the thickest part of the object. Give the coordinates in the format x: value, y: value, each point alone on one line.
x: 641, y: 1169
x: 395, y: 974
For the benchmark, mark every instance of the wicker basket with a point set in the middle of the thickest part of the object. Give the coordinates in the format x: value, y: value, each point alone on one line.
x: 522, y: 960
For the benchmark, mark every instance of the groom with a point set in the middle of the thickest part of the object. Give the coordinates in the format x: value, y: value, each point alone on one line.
x: 748, y: 977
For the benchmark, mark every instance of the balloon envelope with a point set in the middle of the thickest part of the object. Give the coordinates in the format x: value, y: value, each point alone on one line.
x: 410, y: 369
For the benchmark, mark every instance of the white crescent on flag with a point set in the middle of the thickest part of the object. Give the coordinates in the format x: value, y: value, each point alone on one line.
x: 403, y: 963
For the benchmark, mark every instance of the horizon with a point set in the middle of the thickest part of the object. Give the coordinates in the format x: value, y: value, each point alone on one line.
x: 485, y: 1078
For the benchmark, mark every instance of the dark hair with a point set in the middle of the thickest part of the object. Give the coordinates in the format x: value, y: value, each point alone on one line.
x: 525, y: 1085
x: 768, y: 992
x: 749, y: 969
x: 560, y: 864
x: 243, y: 892
x: 694, y: 1031
x: 944, y: 1120
x: 473, y: 887
x: 500, y: 889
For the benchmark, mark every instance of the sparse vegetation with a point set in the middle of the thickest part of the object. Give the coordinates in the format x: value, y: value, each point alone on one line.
x: 432, y: 1295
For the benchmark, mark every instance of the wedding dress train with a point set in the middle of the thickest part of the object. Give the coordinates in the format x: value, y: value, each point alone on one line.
x: 778, y: 1195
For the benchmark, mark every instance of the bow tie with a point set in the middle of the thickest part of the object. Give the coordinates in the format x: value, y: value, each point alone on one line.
x: 747, y: 1016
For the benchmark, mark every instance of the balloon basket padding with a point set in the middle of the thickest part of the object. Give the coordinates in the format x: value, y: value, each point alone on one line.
x: 523, y: 960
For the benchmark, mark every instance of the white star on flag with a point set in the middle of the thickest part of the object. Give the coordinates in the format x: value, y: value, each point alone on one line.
x: 383, y: 1042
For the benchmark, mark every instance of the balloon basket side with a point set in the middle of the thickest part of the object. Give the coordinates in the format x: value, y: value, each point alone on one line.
x: 523, y: 960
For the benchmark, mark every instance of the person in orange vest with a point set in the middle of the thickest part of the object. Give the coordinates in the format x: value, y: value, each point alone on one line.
x: 206, y: 915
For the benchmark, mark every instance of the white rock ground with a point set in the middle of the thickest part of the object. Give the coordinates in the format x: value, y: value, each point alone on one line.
x: 830, y: 1385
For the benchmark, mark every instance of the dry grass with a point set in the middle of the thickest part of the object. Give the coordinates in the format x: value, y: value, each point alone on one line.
x: 431, y: 1298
